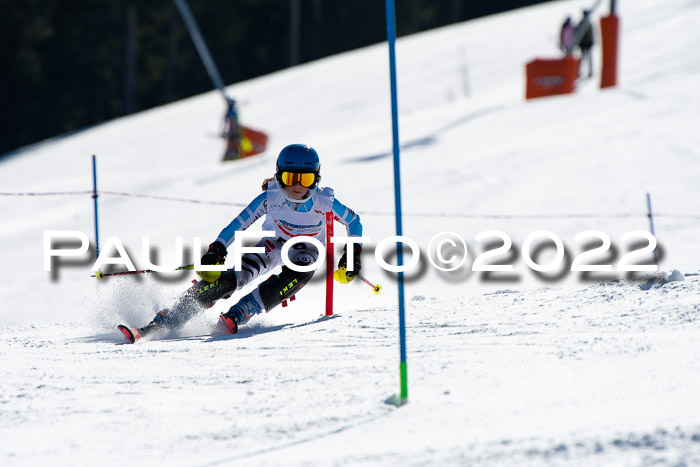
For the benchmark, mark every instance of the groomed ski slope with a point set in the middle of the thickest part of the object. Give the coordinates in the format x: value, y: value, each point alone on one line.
x: 607, y: 374
x: 522, y: 369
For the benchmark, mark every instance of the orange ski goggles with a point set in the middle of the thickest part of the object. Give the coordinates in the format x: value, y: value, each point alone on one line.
x: 306, y: 179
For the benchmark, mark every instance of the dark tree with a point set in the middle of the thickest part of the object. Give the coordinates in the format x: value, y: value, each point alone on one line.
x: 68, y: 64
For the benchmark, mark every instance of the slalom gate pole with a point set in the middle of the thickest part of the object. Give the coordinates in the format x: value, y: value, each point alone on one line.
x: 391, y: 39
x: 651, y: 227
x: 94, y: 197
x: 330, y: 260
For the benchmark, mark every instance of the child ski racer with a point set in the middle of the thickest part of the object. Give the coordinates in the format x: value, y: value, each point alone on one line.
x: 294, y: 205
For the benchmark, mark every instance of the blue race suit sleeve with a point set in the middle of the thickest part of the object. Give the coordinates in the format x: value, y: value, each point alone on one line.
x: 348, y: 217
x: 254, y: 211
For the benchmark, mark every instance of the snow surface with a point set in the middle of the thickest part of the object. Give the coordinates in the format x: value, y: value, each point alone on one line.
x: 517, y: 368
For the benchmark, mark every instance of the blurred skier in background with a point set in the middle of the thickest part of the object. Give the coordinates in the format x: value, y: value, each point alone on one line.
x: 566, y: 35
x: 293, y: 205
x: 585, y: 32
x: 232, y: 131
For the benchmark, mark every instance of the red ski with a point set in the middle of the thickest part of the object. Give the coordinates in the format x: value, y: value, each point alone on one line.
x: 227, y: 325
x: 131, y: 334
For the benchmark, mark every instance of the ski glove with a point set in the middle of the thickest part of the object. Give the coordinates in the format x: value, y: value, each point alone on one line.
x: 357, y: 261
x: 216, y: 254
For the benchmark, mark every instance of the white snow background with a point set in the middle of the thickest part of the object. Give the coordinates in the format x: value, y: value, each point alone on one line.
x: 503, y: 369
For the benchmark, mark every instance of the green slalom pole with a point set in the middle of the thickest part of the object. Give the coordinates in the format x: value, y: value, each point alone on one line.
x: 402, y: 398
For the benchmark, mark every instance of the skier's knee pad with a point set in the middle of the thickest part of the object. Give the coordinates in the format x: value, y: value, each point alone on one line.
x: 281, y: 287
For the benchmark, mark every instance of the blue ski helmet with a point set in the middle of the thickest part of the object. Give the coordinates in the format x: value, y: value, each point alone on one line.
x: 298, y: 158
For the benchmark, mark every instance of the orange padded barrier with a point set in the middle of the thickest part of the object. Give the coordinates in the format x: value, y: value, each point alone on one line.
x: 548, y: 77
x: 609, y: 30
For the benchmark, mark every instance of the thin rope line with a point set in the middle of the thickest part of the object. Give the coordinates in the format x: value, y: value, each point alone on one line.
x: 169, y: 198
x: 379, y: 213
x: 55, y: 193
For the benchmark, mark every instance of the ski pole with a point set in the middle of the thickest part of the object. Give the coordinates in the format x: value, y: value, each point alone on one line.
x: 377, y: 289
x: 99, y: 274
x: 340, y: 276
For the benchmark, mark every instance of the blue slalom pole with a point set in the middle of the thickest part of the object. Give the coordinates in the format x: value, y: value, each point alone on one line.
x: 651, y: 226
x: 391, y: 38
x: 94, y: 197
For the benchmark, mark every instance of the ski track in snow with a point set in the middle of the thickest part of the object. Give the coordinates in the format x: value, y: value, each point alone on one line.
x: 572, y: 369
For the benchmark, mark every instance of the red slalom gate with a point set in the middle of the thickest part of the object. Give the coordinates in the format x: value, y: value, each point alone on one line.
x: 330, y: 260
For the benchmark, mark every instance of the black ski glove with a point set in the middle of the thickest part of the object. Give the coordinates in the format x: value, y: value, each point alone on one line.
x: 357, y: 261
x: 216, y: 254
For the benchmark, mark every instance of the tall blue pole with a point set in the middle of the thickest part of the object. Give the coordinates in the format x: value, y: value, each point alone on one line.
x: 94, y: 197
x: 651, y: 226
x: 391, y: 38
